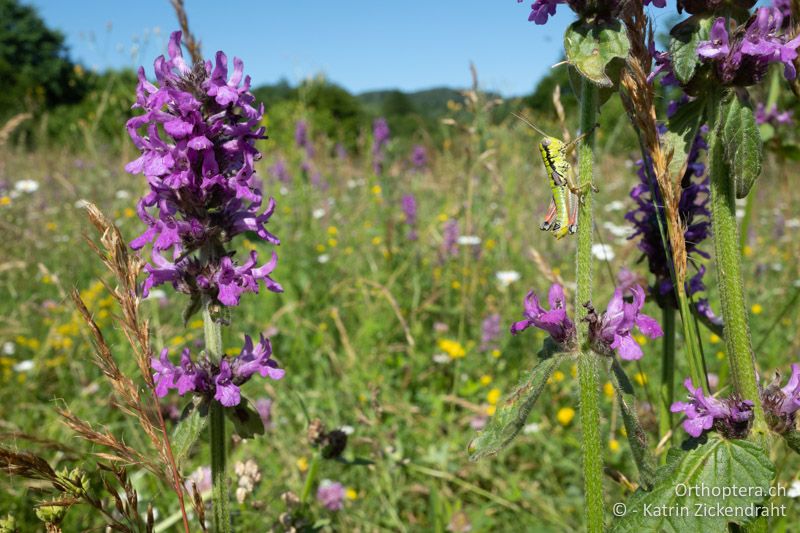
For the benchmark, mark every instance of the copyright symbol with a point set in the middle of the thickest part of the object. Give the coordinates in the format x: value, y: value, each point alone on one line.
x: 619, y: 509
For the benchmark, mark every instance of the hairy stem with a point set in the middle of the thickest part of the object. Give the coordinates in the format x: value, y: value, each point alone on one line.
x: 729, y: 274
x: 667, y: 390
x: 216, y: 428
x: 588, y: 364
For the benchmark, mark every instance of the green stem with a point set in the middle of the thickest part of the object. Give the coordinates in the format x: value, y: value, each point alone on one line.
x: 667, y: 372
x: 310, y: 478
x: 729, y: 274
x: 588, y: 364
x: 216, y: 428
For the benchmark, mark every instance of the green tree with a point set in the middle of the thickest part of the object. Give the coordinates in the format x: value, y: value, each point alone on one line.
x: 35, y: 68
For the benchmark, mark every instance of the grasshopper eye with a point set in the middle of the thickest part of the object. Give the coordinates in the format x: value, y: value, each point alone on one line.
x: 545, y: 142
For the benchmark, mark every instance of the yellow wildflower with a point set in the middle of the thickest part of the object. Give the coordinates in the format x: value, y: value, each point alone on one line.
x: 714, y: 339
x: 757, y: 309
x: 613, y: 445
x: 332, y: 230
x: 608, y: 389
x: 565, y: 415
x: 493, y: 397
x: 640, y: 378
x: 452, y: 348
x: 302, y: 464
x: 486, y: 379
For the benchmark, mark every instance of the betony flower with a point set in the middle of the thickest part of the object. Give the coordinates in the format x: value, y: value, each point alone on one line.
x: 197, y: 141
x: 331, y: 494
x: 450, y: 235
x: 220, y: 381
x: 410, y: 212
x: 554, y: 321
x: 695, y: 218
x: 541, y: 10
x: 419, y: 157
x: 611, y: 331
x: 729, y: 416
x: 280, y: 171
x: 773, y: 115
x: 782, y: 403
x: 741, y: 58
x: 490, y: 332
x: 380, y: 138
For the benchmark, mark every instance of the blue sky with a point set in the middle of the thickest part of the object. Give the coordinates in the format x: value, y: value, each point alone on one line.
x: 360, y: 44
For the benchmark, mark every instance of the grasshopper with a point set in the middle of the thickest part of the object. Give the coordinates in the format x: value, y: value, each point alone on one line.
x: 562, y: 215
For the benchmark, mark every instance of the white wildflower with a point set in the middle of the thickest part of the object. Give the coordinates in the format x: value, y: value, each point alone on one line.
x: 28, y: 186
x: 603, y: 252
x: 507, y: 277
x: 469, y: 240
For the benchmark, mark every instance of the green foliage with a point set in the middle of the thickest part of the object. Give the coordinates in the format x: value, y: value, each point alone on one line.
x: 188, y: 429
x: 513, y: 411
x: 335, y: 112
x: 684, y: 39
x: 742, y: 140
x: 596, y: 49
x: 682, y: 129
x: 34, y: 65
x: 246, y: 421
x: 715, y: 464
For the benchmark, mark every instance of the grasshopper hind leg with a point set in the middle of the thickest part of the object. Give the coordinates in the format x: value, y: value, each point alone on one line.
x: 550, y: 221
x: 573, y: 213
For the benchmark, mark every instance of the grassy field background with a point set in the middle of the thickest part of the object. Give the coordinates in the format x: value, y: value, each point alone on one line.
x: 376, y: 332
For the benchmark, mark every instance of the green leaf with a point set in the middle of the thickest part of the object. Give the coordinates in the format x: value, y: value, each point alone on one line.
x: 597, y: 50
x: 191, y: 424
x: 681, y: 132
x: 792, y: 439
x: 683, y: 45
x: 742, y: 141
x: 513, y: 410
x: 713, y: 465
x: 246, y: 421
x: 637, y: 437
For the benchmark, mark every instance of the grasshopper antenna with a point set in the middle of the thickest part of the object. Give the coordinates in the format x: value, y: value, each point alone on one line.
x: 529, y: 123
x: 582, y: 136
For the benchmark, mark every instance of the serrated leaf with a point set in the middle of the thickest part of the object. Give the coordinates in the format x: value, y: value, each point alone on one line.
x: 190, y: 426
x: 246, y: 421
x: 713, y: 465
x: 792, y: 439
x: 681, y: 132
x: 742, y: 141
x: 637, y: 437
x: 603, y: 93
x: 683, y: 42
x: 591, y: 48
x: 512, y: 412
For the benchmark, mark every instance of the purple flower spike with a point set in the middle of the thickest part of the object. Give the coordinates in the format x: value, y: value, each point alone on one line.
x: 419, y: 157
x: 410, y: 212
x: 197, y: 138
x: 611, y: 331
x: 729, y: 416
x: 554, y: 321
x: 380, y: 138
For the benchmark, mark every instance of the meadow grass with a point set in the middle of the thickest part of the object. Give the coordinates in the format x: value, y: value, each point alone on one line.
x: 384, y: 339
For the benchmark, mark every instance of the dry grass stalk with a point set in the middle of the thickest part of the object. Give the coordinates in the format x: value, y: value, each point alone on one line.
x: 638, y: 99
x: 113, y: 251
x: 12, y: 124
x: 122, y: 452
x: 192, y: 44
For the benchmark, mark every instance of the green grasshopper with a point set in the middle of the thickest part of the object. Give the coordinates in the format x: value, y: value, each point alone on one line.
x: 562, y: 215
